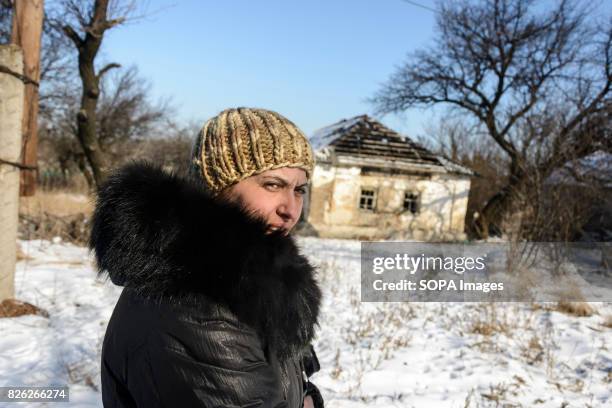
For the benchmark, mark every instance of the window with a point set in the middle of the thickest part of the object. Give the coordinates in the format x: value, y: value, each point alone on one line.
x: 411, y: 202
x: 367, y: 201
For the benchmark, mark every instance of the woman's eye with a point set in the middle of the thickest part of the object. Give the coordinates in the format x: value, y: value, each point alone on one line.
x: 272, y: 186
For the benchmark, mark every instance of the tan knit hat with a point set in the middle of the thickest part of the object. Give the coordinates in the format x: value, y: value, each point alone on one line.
x: 238, y: 143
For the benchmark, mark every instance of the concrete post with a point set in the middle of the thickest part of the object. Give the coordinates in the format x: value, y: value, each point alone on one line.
x: 11, y: 113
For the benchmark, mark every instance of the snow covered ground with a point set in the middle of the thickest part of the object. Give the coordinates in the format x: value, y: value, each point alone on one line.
x: 372, y: 354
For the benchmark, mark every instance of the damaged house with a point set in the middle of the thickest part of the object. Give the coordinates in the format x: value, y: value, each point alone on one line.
x: 589, y: 178
x: 372, y: 183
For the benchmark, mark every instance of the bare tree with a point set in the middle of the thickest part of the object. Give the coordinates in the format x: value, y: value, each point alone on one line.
x: 125, y: 109
x: 454, y: 138
x: 125, y: 112
x: 536, y: 83
x: 92, y: 20
x: 124, y: 106
x: 574, y: 202
x: 58, y: 84
x: 56, y: 68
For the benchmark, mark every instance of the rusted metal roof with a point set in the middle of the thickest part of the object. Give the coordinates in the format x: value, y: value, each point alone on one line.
x: 364, y: 137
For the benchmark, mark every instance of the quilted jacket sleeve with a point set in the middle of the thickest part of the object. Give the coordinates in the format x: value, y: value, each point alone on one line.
x: 221, y: 366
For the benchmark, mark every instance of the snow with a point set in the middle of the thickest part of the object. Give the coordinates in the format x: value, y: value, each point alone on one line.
x: 324, y: 136
x: 453, y: 167
x: 63, y: 349
x: 371, y: 354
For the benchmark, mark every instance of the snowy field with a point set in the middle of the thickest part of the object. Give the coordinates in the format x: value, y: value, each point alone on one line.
x: 372, y: 354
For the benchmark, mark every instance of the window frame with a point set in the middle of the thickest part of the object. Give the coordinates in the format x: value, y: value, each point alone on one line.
x: 416, y: 202
x: 373, y: 198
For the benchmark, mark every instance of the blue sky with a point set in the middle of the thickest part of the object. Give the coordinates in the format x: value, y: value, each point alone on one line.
x: 315, y: 62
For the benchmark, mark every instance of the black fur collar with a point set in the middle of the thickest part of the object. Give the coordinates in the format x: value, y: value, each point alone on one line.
x: 165, y: 237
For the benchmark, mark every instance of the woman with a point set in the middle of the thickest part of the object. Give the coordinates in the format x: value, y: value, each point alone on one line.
x: 219, y: 308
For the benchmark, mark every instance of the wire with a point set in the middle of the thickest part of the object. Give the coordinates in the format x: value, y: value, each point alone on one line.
x: 414, y: 3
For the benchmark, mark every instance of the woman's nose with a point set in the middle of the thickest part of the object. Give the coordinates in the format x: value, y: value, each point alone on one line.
x: 289, y: 207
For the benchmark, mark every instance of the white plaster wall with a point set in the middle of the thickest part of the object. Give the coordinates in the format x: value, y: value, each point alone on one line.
x: 336, y: 192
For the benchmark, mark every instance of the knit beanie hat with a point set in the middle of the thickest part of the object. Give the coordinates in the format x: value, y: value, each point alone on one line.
x: 241, y: 142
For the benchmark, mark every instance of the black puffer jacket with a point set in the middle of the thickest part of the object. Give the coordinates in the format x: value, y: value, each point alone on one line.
x: 215, y: 313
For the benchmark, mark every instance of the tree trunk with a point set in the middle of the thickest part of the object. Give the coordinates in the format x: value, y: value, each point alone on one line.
x: 88, y: 46
x: 86, y: 118
x: 490, y: 219
x: 11, y: 114
x: 26, y: 33
x: 91, y: 183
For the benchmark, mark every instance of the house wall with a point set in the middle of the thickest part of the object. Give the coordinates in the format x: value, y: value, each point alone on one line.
x: 334, y: 205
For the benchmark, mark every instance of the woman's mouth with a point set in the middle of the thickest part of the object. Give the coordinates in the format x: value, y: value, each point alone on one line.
x: 277, y: 228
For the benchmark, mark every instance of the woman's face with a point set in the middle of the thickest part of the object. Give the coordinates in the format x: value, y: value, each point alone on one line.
x: 275, y: 195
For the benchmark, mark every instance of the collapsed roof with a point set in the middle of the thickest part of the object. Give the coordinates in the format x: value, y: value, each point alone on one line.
x: 365, y: 142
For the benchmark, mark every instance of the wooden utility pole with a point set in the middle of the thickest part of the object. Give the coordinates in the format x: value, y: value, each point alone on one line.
x: 26, y: 33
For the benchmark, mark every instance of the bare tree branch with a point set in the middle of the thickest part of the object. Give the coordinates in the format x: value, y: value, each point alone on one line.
x: 512, y: 68
x: 70, y: 33
x: 107, y: 68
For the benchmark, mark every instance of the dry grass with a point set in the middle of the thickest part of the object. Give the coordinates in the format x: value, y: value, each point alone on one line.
x: 488, y: 328
x: 56, y: 213
x: 533, y: 352
x: 22, y: 256
x: 57, y: 203
x: 567, y: 290
x: 578, y: 309
x: 16, y: 308
x: 488, y: 321
x: 373, y: 333
x: 499, y: 394
x: 337, y: 370
x: 80, y: 372
x: 70, y: 228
